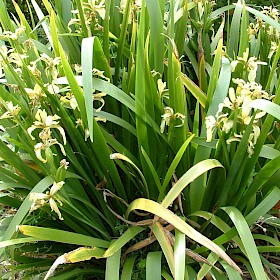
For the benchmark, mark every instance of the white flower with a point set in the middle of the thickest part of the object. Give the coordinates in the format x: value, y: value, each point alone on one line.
x: 53, y: 88
x: 39, y: 147
x: 78, y: 68
x: 38, y: 199
x: 73, y: 21
x: 35, y: 94
x: 17, y: 58
x: 56, y: 187
x: 227, y: 126
x: 251, y: 89
x: 161, y: 87
x: 272, y: 12
x: 100, y: 119
x: 221, y: 122
x: 273, y: 49
x: 11, y: 112
x: 210, y: 123
x: 70, y: 100
x: 181, y: 117
x: 99, y: 8
x: 236, y: 137
x: 13, y: 36
x: 79, y: 122
x: 64, y: 163
x: 168, y: 116
x: 87, y: 134
x: 138, y: 3
x: 253, y: 137
x: 99, y: 97
x: 246, y: 110
x: 232, y: 102
x: 46, y: 123
x: 253, y: 29
x: 4, y: 55
x: 250, y: 64
x: 41, y: 199
x: 100, y: 74
x: 52, y: 64
x: 73, y: 102
x: 33, y: 68
x: 224, y: 123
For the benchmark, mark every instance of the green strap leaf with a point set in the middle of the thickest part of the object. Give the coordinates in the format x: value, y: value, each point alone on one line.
x: 189, y: 177
x: 24, y: 209
x: 75, y: 88
x: 157, y: 39
x: 194, y: 89
x: 14, y: 160
x: 113, y: 266
x: 5, y: 19
x: 173, y: 166
x: 78, y: 255
x: 53, y: 30
x: 177, y: 222
x: 204, y: 270
x: 153, y: 266
x: 215, y: 70
x: 121, y: 41
x: 128, y: 268
x: 152, y: 168
x: 41, y: 16
x: 121, y: 241
x: 235, y: 31
x: 87, y: 56
x: 267, y: 203
x: 259, y: 180
x: 165, y: 245
x: 197, y: 188
x: 267, y: 106
x: 83, y: 254
x: 268, y: 152
x: 248, y: 241
x: 11, y: 242
x: 179, y: 255
x: 62, y: 236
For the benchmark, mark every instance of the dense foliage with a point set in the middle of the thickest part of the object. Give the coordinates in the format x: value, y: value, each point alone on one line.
x: 259, y: 3
x: 139, y: 140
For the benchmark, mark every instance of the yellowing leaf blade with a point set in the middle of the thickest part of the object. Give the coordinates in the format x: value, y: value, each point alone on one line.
x: 159, y: 210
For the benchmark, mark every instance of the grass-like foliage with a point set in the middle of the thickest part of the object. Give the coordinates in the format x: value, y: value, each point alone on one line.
x: 139, y: 140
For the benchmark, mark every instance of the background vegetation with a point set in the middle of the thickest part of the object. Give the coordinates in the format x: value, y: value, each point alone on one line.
x: 139, y: 140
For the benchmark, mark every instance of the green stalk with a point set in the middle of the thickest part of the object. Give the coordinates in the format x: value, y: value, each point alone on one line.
x: 273, y: 68
x: 121, y: 42
x: 176, y: 91
x: 79, y: 4
x: 106, y: 40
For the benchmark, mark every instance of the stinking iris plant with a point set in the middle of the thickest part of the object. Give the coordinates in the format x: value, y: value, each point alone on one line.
x: 235, y: 109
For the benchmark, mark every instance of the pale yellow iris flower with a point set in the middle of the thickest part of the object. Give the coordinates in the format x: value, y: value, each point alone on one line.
x: 46, y: 123
x: 41, y: 199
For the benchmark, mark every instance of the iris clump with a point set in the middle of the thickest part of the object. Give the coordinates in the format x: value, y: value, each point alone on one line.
x: 139, y: 140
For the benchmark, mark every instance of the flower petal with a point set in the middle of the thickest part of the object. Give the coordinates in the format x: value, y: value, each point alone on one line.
x: 56, y: 187
x: 54, y: 208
